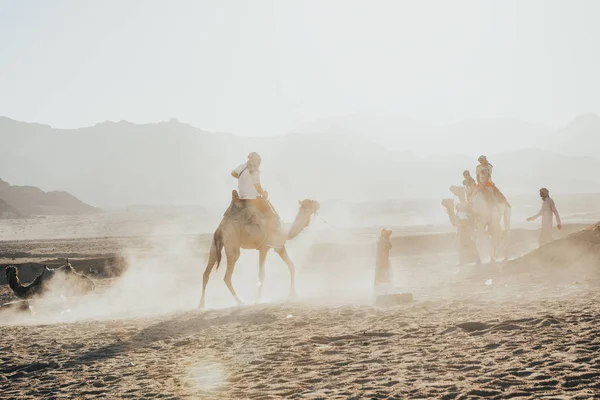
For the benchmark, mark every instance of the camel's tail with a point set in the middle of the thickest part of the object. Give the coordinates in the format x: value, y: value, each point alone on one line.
x: 217, y: 246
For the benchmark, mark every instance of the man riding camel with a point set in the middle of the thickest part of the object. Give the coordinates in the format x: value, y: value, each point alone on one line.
x: 485, y: 184
x: 252, y: 194
x: 248, y: 176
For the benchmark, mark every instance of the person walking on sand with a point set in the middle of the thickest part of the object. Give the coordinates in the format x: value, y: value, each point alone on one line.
x: 547, y: 211
x: 383, y: 267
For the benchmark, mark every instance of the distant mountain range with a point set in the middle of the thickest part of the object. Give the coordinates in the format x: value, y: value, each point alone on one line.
x: 492, y: 135
x: 20, y: 201
x: 357, y: 158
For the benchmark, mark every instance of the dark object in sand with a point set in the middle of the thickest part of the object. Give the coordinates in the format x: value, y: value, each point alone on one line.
x: 64, y: 279
x: 393, y: 299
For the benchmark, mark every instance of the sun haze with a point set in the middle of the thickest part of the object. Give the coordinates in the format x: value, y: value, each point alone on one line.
x: 299, y: 199
x: 268, y: 67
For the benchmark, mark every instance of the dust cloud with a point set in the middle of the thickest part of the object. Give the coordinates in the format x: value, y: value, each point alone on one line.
x: 334, y: 265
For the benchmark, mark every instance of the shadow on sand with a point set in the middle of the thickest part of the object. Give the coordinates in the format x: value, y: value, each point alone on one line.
x: 176, y: 329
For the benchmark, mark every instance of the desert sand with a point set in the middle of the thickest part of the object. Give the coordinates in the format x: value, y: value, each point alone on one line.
x: 526, y: 328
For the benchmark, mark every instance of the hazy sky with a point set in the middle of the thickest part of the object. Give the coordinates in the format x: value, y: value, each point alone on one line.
x: 265, y: 67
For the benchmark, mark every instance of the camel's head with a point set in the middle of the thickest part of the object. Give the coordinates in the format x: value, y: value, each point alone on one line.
x: 459, y: 192
x: 307, y: 209
x: 310, y: 206
x: 448, y: 203
x: 11, y: 273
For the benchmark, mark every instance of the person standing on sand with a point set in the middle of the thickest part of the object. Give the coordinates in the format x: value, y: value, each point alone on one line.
x: 547, y: 212
x: 383, y: 267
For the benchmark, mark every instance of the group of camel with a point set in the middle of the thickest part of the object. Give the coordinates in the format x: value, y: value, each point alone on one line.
x: 491, y: 221
x: 240, y: 229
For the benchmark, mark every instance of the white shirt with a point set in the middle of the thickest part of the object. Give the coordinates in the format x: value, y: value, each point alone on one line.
x: 246, y: 182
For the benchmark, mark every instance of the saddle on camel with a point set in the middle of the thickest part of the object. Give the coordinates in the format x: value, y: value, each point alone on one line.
x: 257, y: 215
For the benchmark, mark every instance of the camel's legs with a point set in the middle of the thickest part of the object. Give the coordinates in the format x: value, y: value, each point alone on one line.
x: 482, y: 237
x: 506, y: 233
x: 212, y: 260
x: 496, y: 234
x: 506, y: 243
x: 232, y: 256
x: 262, y: 256
x: 286, y: 258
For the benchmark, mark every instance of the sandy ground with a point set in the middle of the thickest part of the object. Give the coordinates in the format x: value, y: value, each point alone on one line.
x: 435, y: 349
x: 527, y: 328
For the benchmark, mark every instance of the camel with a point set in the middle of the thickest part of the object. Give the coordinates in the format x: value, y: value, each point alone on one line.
x: 488, y: 219
x: 64, y: 278
x: 467, y: 250
x: 238, y: 230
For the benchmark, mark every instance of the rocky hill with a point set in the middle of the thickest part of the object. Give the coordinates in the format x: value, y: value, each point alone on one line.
x: 8, y: 212
x: 19, y: 201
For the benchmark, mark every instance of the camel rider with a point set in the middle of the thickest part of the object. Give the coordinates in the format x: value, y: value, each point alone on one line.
x: 470, y: 185
x: 485, y: 183
x: 248, y: 176
x: 252, y: 193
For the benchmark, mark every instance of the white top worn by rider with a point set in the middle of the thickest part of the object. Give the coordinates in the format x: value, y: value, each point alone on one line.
x: 248, y: 176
